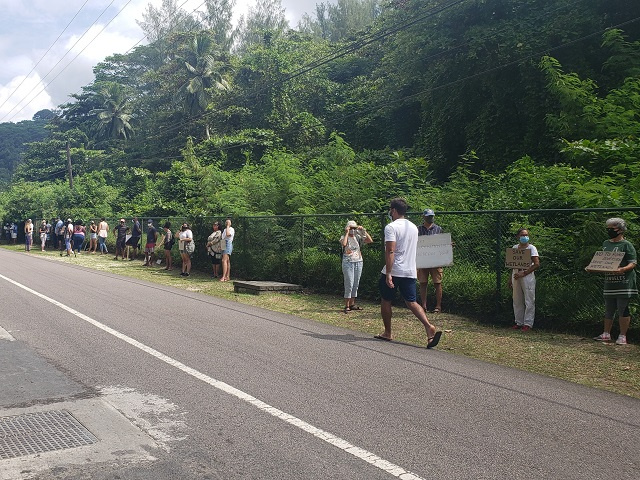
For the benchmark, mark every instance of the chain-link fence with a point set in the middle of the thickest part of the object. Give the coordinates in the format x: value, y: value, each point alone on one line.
x: 305, y: 249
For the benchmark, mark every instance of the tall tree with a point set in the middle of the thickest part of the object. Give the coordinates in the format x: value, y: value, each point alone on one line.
x: 217, y: 18
x: 114, y: 118
x: 159, y: 23
x: 264, y: 21
x: 205, y: 71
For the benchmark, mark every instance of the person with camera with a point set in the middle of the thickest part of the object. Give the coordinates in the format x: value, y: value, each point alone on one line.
x: 214, y: 247
x: 354, y: 237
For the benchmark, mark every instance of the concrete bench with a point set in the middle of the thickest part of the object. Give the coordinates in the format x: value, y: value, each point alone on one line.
x: 257, y: 287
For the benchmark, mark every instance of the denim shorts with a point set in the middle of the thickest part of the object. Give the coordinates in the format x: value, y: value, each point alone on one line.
x: 407, y: 287
x: 228, y: 247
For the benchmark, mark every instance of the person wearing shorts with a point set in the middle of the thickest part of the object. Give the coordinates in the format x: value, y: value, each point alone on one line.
x: 152, y: 238
x: 227, y: 238
x: 120, y: 231
x: 428, y: 227
x: 399, y: 272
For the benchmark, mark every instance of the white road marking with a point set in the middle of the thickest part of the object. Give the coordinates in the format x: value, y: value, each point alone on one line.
x: 328, y: 437
x: 4, y: 335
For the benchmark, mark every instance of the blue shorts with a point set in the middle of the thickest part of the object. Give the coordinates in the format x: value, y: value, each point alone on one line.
x: 228, y: 247
x: 407, y: 287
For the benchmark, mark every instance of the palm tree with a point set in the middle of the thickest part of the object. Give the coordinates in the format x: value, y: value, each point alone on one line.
x: 115, y: 115
x: 205, y: 74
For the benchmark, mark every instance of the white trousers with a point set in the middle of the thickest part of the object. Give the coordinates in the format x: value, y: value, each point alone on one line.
x: 524, y: 299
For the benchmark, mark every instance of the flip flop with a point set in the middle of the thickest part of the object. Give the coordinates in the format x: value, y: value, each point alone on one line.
x: 433, y: 341
x: 355, y: 307
x: 380, y: 337
x: 436, y: 310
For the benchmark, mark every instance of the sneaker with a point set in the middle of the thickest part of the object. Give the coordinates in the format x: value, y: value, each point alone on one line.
x: 622, y: 340
x: 603, y: 337
x: 525, y: 328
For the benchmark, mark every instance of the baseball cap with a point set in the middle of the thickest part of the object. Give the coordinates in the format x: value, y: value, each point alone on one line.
x: 428, y: 213
x: 351, y: 224
x: 149, y: 222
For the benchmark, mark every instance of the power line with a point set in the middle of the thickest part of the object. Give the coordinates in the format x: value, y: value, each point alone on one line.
x: 66, y: 53
x: 45, y: 54
x: 439, y: 87
x: 399, y: 26
x: 79, y: 53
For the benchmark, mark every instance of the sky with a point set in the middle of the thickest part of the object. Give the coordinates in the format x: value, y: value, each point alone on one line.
x: 40, y: 70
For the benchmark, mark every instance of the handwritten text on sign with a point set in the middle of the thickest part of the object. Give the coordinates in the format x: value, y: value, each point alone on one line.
x: 517, y: 258
x: 605, y: 261
x: 434, y: 251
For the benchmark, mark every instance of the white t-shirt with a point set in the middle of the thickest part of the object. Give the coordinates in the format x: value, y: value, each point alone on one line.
x: 186, y: 234
x: 405, y: 234
x: 229, y: 238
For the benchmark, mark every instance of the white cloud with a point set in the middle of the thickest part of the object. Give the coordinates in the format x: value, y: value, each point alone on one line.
x: 18, y: 88
x: 35, y: 25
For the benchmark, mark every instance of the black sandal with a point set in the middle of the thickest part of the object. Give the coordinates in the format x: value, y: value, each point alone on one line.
x: 346, y: 310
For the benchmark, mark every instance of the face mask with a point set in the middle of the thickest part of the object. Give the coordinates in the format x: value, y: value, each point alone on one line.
x: 524, y: 239
x: 612, y: 232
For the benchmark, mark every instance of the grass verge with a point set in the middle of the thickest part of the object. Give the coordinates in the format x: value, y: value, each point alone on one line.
x: 566, y: 356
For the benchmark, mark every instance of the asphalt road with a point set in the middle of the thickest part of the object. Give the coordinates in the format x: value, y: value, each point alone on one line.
x: 228, y: 391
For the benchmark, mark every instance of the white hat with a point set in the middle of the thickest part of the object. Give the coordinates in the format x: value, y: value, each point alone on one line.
x: 351, y: 224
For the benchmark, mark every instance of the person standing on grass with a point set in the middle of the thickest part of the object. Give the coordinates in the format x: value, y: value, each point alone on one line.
x: 93, y: 237
x: 214, y: 247
x: 152, y: 238
x: 78, y: 237
x: 399, y: 272
x: 428, y: 227
x: 134, y: 240
x: 354, y: 236
x: 67, y: 235
x: 185, y: 238
x: 120, y: 232
x: 59, y: 233
x: 28, y: 235
x: 619, y: 286
x: 43, y: 234
x: 14, y: 232
x: 103, y: 233
x: 227, y: 240
x: 168, y: 245
x: 522, y: 282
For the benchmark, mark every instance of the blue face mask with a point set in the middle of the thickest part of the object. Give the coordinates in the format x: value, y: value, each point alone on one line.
x: 524, y: 239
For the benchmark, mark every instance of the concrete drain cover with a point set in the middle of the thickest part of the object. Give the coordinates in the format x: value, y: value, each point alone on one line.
x: 41, y: 432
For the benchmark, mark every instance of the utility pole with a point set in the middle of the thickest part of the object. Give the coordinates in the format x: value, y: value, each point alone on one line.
x: 69, y: 166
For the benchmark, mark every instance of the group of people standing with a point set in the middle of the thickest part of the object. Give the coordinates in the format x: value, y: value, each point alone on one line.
x: 70, y: 238
x: 400, y: 273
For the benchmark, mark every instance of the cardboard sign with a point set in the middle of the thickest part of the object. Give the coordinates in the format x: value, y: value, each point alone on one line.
x: 605, y: 261
x: 517, y: 258
x: 434, y: 251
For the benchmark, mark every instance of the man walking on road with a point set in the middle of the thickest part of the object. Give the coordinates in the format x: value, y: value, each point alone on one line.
x: 428, y: 227
x: 399, y: 272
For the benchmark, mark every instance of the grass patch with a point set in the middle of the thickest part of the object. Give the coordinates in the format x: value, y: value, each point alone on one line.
x: 565, y: 356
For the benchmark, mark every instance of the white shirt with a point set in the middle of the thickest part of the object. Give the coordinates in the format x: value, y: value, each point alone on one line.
x: 405, y: 234
x: 183, y: 235
x: 228, y: 238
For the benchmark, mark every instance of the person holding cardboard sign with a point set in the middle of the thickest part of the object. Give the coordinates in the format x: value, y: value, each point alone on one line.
x: 619, y: 284
x: 523, y: 283
x: 429, y: 227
